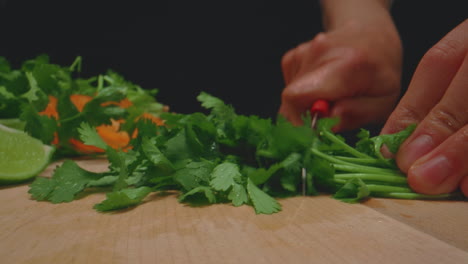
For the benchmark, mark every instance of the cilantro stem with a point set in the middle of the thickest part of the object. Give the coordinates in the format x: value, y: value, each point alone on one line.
x: 108, y: 79
x: 413, y: 195
x: 375, y: 188
x: 100, y: 83
x: 372, y: 177
x: 364, y: 161
x: 70, y: 118
x: 381, y: 189
x: 265, y: 153
x: 351, y: 167
x: 332, y: 137
x: 76, y: 63
x: 365, y: 169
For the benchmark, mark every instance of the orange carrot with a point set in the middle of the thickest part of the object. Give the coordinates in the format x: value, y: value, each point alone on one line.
x: 125, y: 103
x: 111, y: 134
x: 83, y: 148
x: 80, y: 100
x: 158, y: 121
x: 51, y: 108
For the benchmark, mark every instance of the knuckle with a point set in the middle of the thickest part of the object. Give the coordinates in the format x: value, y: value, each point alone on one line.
x: 405, y: 115
x: 360, y: 60
x: 287, y: 94
x: 320, y: 41
x: 294, y: 92
x: 443, y: 51
x: 444, y: 118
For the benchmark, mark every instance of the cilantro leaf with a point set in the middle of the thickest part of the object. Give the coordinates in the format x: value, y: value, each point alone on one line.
x: 238, y: 195
x: 286, y: 138
x: 224, y: 176
x: 34, y: 93
x: 352, y: 191
x: 38, y: 126
x: 96, y: 113
x: 153, y: 154
x: 261, y: 175
x: 89, y: 136
x: 194, y: 174
x: 262, y: 202
x: 67, y: 181
x: 292, y: 167
x: 206, y: 191
x: 123, y: 199
x: 222, y: 116
x: 215, y: 104
x: 393, y: 141
x: 120, y: 162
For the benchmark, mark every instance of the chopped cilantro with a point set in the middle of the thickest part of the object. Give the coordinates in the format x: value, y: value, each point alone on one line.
x: 212, y: 157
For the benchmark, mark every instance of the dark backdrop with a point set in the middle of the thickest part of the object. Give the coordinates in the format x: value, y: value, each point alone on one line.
x: 232, y: 51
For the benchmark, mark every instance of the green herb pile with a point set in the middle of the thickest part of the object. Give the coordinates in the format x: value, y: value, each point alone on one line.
x: 224, y: 157
x: 211, y: 156
x: 26, y: 91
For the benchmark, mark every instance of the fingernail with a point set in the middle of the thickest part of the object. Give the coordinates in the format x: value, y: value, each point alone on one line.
x: 419, y: 147
x: 432, y: 172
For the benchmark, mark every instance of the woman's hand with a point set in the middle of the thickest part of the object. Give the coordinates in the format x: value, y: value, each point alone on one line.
x: 435, y: 156
x: 355, y: 65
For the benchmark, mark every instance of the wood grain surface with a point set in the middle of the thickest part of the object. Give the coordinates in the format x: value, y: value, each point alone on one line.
x: 161, y: 230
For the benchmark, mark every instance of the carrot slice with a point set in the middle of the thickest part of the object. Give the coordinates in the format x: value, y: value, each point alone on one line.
x: 80, y: 100
x: 112, y: 135
x: 85, y: 149
x: 51, y: 108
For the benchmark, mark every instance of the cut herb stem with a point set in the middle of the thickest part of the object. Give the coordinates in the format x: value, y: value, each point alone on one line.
x: 350, y: 167
x: 413, y: 195
x: 372, y: 177
x: 364, y: 161
x: 330, y: 136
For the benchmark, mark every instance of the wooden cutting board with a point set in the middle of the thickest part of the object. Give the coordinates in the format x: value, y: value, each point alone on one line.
x: 308, y: 230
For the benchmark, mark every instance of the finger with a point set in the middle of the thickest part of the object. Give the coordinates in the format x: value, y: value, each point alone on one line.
x: 292, y: 61
x: 357, y: 111
x: 445, y: 119
x: 295, y: 60
x: 435, y: 71
x: 287, y: 66
x: 341, y: 74
x: 299, y: 95
x: 442, y: 170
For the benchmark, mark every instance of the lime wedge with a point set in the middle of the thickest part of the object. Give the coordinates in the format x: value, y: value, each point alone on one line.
x: 21, y: 156
x: 15, y: 123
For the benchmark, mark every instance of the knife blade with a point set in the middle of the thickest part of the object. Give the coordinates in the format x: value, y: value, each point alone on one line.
x: 319, y: 108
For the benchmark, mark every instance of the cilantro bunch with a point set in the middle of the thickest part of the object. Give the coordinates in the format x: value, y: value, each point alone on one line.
x: 223, y: 157
x: 353, y: 174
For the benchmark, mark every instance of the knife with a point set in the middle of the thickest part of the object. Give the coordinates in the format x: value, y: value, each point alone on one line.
x: 319, y: 108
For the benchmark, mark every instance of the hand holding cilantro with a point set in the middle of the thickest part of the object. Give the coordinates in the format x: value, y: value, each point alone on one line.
x: 435, y: 156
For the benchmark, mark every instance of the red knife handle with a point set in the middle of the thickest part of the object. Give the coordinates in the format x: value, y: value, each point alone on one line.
x: 321, y: 107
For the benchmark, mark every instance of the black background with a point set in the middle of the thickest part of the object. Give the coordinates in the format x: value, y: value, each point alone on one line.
x: 231, y: 50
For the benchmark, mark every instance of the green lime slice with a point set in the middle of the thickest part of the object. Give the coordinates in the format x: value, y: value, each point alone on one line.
x: 15, y: 123
x: 22, y: 157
